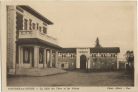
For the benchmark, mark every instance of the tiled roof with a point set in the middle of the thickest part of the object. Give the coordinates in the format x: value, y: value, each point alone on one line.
x: 35, y: 13
x: 105, y: 50
x: 93, y: 50
x: 68, y: 50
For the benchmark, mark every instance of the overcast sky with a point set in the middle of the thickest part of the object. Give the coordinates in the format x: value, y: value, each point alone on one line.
x: 78, y: 24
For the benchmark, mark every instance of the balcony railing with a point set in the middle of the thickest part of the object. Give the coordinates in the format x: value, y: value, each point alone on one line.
x: 37, y: 34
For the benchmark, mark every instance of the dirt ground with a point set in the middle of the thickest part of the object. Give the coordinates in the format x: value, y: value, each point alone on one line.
x: 74, y: 78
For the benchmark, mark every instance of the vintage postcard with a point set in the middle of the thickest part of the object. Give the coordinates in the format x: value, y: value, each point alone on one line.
x: 69, y: 46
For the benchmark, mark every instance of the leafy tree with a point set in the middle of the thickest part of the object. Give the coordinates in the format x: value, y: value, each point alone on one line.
x: 130, y: 58
x: 130, y: 61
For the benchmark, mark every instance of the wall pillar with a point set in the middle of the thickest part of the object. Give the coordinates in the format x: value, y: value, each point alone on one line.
x: 11, y: 39
x: 77, y: 59
x: 36, y: 56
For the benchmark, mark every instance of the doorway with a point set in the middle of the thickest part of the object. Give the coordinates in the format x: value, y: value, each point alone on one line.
x: 82, y: 62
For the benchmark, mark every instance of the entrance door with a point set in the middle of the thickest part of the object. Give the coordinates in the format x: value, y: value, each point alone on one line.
x: 82, y: 62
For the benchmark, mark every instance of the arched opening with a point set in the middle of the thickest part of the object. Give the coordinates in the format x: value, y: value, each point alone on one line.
x: 82, y: 62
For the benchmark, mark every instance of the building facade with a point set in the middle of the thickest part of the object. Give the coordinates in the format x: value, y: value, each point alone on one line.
x: 67, y: 58
x: 96, y: 58
x: 28, y: 44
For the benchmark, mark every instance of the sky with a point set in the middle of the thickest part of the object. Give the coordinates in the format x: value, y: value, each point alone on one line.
x: 78, y: 24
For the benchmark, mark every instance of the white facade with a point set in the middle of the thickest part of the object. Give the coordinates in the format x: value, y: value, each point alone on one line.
x: 83, y: 51
x: 29, y: 45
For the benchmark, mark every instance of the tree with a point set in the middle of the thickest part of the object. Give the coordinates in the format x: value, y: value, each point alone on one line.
x: 130, y: 60
x: 130, y: 57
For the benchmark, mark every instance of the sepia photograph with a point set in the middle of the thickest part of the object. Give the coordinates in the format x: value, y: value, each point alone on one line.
x: 70, y: 43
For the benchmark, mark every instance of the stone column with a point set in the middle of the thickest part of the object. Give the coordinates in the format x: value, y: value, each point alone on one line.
x: 45, y: 65
x: 89, y: 63
x: 19, y: 56
x: 50, y: 57
x: 117, y: 64
x: 56, y: 59
x: 36, y: 56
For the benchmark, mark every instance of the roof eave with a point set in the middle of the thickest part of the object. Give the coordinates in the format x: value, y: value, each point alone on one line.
x: 35, y: 13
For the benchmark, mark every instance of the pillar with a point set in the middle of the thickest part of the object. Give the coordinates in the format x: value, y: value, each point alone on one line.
x: 45, y: 65
x: 56, y: 61
x: 117, y: 64
x: 89, y: 63
x: 19, y: 56
x: 11, y: 39
x: 54, y: 58
x: 36, y: 56
x: 50, y: 57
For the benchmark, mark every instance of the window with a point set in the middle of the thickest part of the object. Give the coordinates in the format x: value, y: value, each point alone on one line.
x: 112, y: 55
x: 93, y: 55
x: 30, y: 24
x: 71, y: 55
x: 62, y: 55
x: 25, y: 24
x: 62, y: 65
x: 37, y: 26
x: 45, y: 30
x: 102, y: 55
x: 40, y: 29
x: 33, y: 26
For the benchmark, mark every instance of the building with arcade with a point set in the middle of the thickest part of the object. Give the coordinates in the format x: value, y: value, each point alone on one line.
x: 30, y: 46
